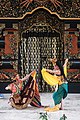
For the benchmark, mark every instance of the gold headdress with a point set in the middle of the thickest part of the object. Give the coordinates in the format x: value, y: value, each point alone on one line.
x: 53, y: 60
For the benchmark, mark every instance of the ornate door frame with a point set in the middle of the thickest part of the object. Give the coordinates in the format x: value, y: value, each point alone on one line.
x: 36, y: 26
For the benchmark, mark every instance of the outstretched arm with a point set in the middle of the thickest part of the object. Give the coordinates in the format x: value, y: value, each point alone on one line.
x: 53, y: 71
x: 27, y: 76
x: 65, y: 63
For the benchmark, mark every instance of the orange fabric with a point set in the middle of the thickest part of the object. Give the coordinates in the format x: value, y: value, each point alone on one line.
x: 33, y: 74
x: 8, y: 49
x: 74, y: 49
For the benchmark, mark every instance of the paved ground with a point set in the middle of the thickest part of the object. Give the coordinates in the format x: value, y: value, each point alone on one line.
x: 71, y: 109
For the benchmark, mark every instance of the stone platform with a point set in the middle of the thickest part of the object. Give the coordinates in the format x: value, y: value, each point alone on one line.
x: 71, y: 109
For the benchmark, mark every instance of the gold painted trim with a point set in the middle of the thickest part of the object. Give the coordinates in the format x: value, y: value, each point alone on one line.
x: 53, y: 28
x: 29, y: 13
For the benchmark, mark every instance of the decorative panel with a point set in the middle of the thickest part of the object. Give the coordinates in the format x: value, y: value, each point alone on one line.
x: 19, y: 8
x: 72, y: 51
x: 9, y: 54
x: 41, y: 39
x: 35, y: 52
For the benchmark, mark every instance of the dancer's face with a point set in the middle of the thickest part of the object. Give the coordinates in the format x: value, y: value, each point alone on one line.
x: 17, y: 77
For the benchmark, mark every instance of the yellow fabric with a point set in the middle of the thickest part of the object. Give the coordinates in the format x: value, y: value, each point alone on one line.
x: 53, y: 109
x: 50, y: 79
x: 65, y: 70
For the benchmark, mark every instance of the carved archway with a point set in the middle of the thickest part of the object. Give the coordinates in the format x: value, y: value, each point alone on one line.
x: 41, y: 39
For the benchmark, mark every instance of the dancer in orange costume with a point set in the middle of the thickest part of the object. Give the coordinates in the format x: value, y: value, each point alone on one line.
x: 22, y: 95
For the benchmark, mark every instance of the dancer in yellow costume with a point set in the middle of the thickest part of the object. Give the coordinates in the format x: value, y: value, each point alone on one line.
x: 59, y: 77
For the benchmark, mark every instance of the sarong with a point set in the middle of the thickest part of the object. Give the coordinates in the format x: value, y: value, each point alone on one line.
x: 61, y: 93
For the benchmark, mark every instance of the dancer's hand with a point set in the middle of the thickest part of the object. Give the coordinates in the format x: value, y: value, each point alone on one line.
x: 33, y: 72
x: 66, y: 61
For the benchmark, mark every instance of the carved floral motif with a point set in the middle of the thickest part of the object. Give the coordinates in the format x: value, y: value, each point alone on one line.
x: 64, y: 8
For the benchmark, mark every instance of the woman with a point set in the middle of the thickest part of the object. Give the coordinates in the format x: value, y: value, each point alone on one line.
x: 58, y: 77
x: 17, y: 85
x: 24, y: 94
